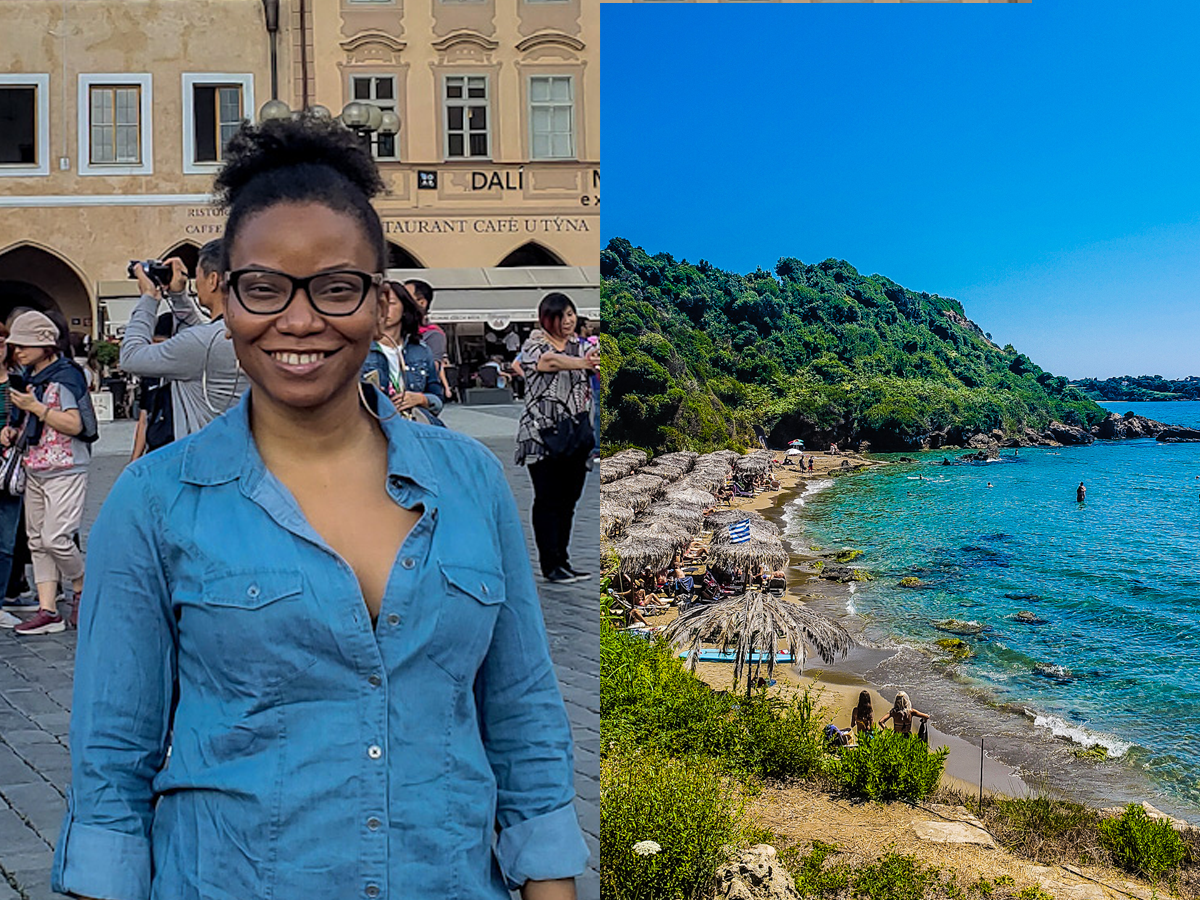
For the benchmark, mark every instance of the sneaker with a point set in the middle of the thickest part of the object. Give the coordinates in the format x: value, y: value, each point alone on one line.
x: 560, y: 576
x: 8, y: 620
x: 579, y: 576
x: 43, y: 623
x: 25, y: 603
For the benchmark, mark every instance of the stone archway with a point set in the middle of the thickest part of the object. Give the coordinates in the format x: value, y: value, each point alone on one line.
x: 399, y: 258
x: 186, y: 251
x: 530, y: 254
x: 37, y: 277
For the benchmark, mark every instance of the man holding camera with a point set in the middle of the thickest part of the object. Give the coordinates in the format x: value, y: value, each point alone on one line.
x: 199, y: 360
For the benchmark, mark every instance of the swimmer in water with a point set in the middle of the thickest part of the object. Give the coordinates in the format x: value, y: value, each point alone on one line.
x: 1081, y: 493
x: 989, y: 484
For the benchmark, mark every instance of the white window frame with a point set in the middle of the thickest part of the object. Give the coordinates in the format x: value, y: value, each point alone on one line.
x: 192, y: 80
x: 41, y: 110
x: 487, y: 99
x: 529, y: 94
x: 145, y: 123
x: 393, y: 105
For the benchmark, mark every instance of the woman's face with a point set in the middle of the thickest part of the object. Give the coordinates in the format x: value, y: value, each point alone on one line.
x: 393, y: 307
x: 300, y: 358
x: 568, y: 322
x: 30, y: 356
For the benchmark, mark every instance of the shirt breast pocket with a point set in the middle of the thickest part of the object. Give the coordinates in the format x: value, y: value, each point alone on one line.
x: 470, y: 603
x: 253, y: 627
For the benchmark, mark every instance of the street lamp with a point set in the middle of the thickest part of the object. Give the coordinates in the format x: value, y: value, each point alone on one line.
x: 366, y: 120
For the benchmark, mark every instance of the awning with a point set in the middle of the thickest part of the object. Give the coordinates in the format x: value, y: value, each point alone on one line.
x: 501, y: 296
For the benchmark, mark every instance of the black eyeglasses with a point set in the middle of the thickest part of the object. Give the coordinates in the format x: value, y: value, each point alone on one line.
x: 266, y: 292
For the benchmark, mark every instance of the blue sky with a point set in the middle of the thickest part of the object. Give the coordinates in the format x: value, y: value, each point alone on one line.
x: 1039, y: 162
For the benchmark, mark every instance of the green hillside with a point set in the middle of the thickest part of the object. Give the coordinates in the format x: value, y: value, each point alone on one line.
x: 1140, y: 387
x: 695, y: 358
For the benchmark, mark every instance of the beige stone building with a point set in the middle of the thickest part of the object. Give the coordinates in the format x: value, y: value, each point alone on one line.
x: 113, y: 114
x: 819, y: 1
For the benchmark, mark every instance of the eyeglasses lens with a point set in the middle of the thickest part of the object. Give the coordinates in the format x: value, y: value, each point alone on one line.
x: 337, y: 293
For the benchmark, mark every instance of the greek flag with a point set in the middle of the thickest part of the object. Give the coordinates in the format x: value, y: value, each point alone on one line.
x: 739, y: 532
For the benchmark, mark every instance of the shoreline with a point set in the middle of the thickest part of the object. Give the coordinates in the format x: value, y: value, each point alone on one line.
x: 1019, y: 758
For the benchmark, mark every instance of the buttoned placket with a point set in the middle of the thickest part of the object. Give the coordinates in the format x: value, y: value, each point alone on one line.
x: 370, y: 646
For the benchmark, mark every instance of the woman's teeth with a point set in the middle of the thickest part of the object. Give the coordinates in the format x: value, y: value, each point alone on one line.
x: 298, y: 359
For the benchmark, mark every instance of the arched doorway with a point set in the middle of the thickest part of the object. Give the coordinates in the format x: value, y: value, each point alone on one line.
x: 399, y: 258
x: 39, y: 278
x: 186, y: 251
x: 530, y: 254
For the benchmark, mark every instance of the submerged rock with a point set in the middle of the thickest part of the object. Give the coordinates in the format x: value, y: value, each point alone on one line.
x: 1028, y: 618
x: 956, y: 647
x: 1061, y: 674
x: 957, y: 626
x: 911, y: 581
x: 1179, y: 435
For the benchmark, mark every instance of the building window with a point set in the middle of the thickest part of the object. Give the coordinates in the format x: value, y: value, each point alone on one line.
x: 18, y: 125
x: 216, y: 115
x: 114, y: 125
x: 552, y: 117
x: 381, y: 91
x: 214, y: 107
x: 467, y: 117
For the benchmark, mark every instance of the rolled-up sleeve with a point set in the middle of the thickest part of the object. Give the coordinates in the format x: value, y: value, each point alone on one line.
x: 525, y: 727
x: 124, y: 688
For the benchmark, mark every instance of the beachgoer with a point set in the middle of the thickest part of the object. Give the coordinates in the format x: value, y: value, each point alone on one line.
x: 1081, y: 493
x: 989, y: 484
x: 863, y: 717
x: 312, y: 661
x: 902, y: 713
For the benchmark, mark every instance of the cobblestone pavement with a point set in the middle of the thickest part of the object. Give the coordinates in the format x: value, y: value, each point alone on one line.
x: 36, y: 673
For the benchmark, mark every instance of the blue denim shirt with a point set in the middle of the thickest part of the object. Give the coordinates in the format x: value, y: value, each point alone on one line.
x: 241, y: 731
x: 421, y: 376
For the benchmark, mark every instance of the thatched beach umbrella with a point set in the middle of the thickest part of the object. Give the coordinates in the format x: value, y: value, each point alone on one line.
x: 622, y: 496
x: 752, y: 625
x: 686, y: 517
x: 614, y: 518
x: 750, y: 465
x: 666, y: 470
x: 760, y: 529
x: 690, y: 496
x: 719, y: 518
x: 760, y: 550
x: 648, y: 547
x: 644, y: 484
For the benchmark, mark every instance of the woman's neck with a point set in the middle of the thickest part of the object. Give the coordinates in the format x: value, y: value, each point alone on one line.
x: 44, y: 362
x: 556, y: 341
x: 290, y: 436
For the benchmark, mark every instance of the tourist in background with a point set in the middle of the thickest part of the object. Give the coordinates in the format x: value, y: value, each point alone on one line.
x: 555, y: 437
x: 10, y: 506
x: 403, y: 366
x: 57, y: 413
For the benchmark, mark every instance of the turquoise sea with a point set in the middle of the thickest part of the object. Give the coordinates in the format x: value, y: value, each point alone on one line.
x: 1114, y: 583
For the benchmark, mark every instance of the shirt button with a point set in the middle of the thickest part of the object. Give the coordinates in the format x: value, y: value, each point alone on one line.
x: 373, y: 823
x: 374, y: 751
x: 408, y: 562
x: 372, y: 890
x: 393, y: 619
x: 252, y: 591
x: 375, y: 681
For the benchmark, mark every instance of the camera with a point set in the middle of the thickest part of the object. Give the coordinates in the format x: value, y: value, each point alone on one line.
x: 157, y: 271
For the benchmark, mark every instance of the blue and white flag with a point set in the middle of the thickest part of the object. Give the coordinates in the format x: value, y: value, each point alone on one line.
x: 739, y: 532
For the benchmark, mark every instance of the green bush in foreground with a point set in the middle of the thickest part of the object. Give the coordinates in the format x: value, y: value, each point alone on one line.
x: 889, y: 766
x: 1141, y: 845
x: 688, y: 810
x: 649, y: 700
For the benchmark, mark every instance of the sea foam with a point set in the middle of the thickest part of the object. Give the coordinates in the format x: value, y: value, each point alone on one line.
x: 1077, y: 734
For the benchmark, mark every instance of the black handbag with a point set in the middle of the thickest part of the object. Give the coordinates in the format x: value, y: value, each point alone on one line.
x: 12, y: 467
x: 569, y: 436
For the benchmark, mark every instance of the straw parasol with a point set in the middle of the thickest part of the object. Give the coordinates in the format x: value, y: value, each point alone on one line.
x: 613, y: 518
x: 670, y: 471
x: 750, y: 465
x: 719, y: 518
x: 686, y: 517
x: 622, y: 496
x: 761, y: 550
x: 752, y: 625
x: 690, y: 496
x: 643, y: 551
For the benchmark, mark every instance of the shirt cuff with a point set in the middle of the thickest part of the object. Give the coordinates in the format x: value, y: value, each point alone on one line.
x: 542, y: 848
x: 98, y: 862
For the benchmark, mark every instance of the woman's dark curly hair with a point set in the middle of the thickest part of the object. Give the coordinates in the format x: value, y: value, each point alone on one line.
x: 303, y: 160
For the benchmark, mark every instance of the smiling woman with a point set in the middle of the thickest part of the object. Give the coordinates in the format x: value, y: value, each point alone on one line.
x: 314, y: 617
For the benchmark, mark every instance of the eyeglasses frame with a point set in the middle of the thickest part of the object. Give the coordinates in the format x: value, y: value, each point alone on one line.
x: 369, y: 281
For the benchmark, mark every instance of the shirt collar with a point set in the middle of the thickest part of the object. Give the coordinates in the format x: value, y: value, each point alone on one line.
x: 224, y: 450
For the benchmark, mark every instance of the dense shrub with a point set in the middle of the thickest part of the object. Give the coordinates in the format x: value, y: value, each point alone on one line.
x: 1142, y: 845
x: 889, y: 766
x: 687, y: 808
x: 649, y: 700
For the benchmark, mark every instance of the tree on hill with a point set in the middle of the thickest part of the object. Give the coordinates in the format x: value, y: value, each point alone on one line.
x: 695, y: 357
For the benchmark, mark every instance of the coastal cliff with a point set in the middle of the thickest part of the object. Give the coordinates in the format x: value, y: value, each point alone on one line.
x: 695, y: 357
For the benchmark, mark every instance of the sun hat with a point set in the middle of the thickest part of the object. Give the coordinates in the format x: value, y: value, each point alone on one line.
x: 32, y: 329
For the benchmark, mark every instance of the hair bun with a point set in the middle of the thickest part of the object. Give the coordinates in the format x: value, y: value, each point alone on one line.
x: 256, y: 150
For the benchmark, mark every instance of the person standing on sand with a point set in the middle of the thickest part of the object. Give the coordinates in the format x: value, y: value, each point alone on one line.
x: 1081, y: 493
x: 902, y: 714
